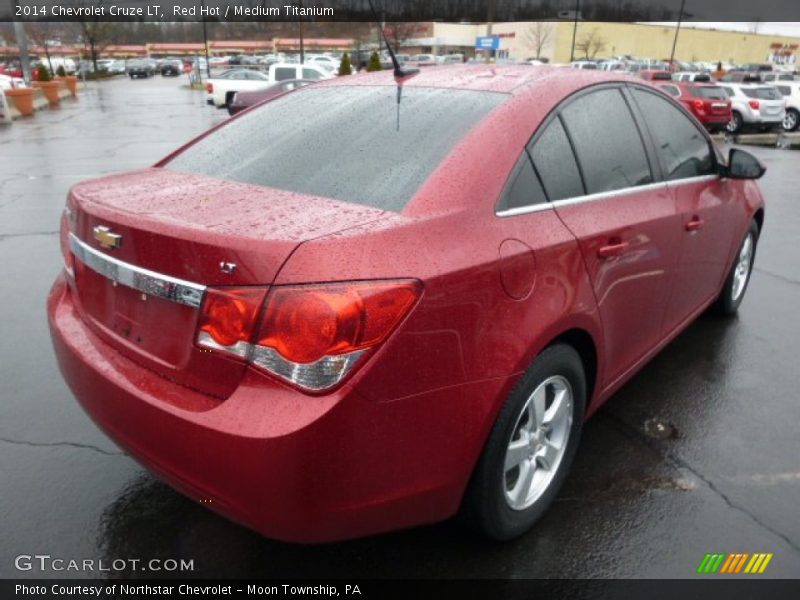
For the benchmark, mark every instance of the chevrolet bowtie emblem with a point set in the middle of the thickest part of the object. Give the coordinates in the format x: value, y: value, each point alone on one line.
x: 106, y: 237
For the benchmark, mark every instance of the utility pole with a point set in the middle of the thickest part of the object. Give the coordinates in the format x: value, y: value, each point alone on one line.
x: 677, y: 31
x: 575, y: 29
x: 22, y: 44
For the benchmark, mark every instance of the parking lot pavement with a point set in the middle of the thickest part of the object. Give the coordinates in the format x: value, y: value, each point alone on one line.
x: 698, y: 453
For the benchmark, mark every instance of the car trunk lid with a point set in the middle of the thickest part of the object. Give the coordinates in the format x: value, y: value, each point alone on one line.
x: 147, y: 244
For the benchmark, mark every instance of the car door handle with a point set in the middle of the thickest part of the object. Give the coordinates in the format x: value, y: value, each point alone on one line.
x: 695, y: 224
x: 614, y: 249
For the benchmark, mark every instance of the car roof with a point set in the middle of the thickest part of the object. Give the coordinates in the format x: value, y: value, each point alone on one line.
x: 508, y: 79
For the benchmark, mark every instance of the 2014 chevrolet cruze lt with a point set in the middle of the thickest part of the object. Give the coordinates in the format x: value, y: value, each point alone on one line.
x: 347, y: 311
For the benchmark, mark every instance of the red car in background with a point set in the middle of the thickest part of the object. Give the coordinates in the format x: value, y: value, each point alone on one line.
x: 243, y: 100
x: 707, y: 102
x: 654, y: 75
x: 326, y: 328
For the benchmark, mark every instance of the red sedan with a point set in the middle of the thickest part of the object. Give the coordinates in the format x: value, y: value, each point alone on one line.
x: 336, y: 314
x: 707, y: 102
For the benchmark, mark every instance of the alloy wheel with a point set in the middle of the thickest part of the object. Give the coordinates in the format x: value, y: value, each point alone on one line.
x: 538, y: 442
x: 743, y: 265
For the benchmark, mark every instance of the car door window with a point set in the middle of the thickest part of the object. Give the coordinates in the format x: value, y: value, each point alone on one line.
x: 555, y: 163
x: 310, y: 74
x: 523, y: 188
x: 684, y: 150
x: 607, y: 142
x: 672, y: 90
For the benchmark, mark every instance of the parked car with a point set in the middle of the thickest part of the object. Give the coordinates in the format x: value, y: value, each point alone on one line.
x: 707, y: 102
x: 8, y: 82
x: 791, y: 94
x: 776, y: 76
x: 221, y: 89
x: 317, y: 350
x: 243, y: 100
x: 691, y: 76
x: 653, y: 75
x: 754, y: 106
x: 330, y: 63
x: 450, y: 59
x: 115, y: 67
x: 171, y: 68
x: 422, y: 60
x: 583, y: 64
x: 740, y: 77
x: 140, y: 68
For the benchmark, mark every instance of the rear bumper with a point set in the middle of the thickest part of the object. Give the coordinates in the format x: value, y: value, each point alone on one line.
x: 293, y: 467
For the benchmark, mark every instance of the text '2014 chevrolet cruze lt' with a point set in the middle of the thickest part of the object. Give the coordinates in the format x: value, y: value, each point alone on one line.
x: 348, y: 310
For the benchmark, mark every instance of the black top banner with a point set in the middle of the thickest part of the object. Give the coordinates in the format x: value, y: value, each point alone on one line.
x: 399, y: 10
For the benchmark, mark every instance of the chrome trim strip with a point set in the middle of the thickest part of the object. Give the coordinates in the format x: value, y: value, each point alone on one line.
x: 143, y: 280
x: 689, y: 180
x: 524, y: 210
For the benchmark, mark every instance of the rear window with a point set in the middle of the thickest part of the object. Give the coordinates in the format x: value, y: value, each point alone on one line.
x: 710, y: 92
x: 342, y: 142
x: 762, y: 93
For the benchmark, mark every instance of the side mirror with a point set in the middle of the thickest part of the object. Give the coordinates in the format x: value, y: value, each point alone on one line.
x: 743, y: 165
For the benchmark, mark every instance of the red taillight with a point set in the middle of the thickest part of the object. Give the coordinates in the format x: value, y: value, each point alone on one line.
x: 753, y: 104
x: 210, y: 88
x: 699, y: 106
x: 307, y: 323
x: 228, y: 316
x: 310, y: 335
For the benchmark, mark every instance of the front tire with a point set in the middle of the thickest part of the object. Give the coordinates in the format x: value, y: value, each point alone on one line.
x: 791, y: 120
x: 738, y: 278
x: 530, y: 448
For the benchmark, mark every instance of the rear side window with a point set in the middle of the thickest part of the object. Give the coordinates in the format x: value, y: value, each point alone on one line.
x: 762, y: 93
x: 311, y: 74
x: 682, y: 148
x: 555, y: 162
x: 523, y: 187
x: 785, y: 90
x: 608, y: 145
x: 672, y: 90
x: 709, y: 92
x: 284, y: 73
x: 308, y: 142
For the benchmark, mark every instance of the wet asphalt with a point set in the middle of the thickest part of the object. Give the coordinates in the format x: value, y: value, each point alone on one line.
x: 699, y: 453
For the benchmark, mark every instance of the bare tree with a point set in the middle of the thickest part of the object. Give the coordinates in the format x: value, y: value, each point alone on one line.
x: 95, y: 36
x: 399, y: 33
x: 537, y: 36
x: 590, y: 44
x: 40, y: 32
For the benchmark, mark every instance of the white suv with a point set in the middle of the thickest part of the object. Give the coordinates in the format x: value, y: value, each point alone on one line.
x: 791, y: 94
x: 754, y: 105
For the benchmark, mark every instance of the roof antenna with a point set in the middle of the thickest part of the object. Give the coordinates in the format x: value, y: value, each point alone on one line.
x: 400, y: 73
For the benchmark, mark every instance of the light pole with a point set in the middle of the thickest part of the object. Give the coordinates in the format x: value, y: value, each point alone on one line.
x: 205, y: 41
x: 575, y: 29
x: 22, y: 44
x: 677, y: 31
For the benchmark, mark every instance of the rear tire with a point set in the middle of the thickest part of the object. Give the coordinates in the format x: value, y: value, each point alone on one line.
x: 735, y: 124
x: 738, y: 278
x: 530, y: 448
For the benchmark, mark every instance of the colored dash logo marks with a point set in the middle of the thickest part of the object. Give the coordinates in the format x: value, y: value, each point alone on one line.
x: 736, y: 563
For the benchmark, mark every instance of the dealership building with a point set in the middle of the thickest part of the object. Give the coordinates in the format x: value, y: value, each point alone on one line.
x: 520, y: 40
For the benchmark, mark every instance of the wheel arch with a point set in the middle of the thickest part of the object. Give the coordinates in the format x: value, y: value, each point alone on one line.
x: 584, y: 344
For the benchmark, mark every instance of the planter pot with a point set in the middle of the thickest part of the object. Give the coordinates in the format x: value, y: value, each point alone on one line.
x: 72, y: 84
x: 50, y: 89
x: 22, y: 99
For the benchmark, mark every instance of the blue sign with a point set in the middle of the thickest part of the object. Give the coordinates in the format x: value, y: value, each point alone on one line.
x: 487, y: 42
